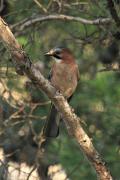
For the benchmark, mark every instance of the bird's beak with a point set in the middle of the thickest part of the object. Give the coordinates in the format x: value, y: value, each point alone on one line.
x: 50, y: 53
x: 47, y: 54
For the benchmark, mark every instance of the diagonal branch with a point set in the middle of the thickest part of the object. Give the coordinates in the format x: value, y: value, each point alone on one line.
x: 71, y: 120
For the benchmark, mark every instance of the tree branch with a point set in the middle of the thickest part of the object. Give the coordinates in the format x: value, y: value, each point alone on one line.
x: 71, y: 120
x: 107, y: 70
x: 40, y: 6
x: 61, y: 17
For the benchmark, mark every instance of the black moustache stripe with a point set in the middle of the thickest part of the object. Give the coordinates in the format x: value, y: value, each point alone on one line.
x: 56, y: 56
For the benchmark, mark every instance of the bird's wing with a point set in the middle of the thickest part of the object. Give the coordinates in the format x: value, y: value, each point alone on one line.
x: 50, y: 75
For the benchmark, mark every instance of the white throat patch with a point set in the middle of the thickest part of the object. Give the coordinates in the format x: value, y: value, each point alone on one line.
x: 57, y: 60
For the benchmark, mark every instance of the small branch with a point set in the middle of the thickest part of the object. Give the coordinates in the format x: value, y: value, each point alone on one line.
x: 71, y: 120
x: 40, y: 6
x: 107, y: 70
x: 113, y: 12
x: 32, y: 170
x: 49, y: 4
x: 29, y: 22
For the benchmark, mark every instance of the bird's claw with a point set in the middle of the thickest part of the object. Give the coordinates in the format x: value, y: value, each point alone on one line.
x: 58, y: 93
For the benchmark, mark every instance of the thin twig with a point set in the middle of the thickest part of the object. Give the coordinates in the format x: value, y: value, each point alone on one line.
x: 107, y: 69
x: 40, y: 6
x: 33, y: 169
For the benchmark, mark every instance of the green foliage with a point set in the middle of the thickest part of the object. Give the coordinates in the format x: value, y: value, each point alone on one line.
x: 97, y: 98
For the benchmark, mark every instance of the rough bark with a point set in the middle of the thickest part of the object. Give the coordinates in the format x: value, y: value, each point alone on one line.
x: 71, y: 120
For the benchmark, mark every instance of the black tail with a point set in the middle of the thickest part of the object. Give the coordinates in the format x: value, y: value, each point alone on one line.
x: 51, y: 128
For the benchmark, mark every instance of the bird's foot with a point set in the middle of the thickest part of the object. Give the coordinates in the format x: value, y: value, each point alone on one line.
x: 58, y: 93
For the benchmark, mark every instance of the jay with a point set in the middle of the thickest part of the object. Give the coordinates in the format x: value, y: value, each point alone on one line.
x: 64, y: 77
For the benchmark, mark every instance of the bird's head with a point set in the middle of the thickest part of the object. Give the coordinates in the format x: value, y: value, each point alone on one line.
x: 61, y: 55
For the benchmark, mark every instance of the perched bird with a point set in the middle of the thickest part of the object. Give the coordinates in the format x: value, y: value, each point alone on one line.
x: 64, y: 77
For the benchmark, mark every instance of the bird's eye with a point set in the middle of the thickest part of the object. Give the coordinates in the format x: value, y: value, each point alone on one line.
x: 57, y: 52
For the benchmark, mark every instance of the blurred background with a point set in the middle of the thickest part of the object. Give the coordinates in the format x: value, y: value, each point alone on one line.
x: 23, y: 108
